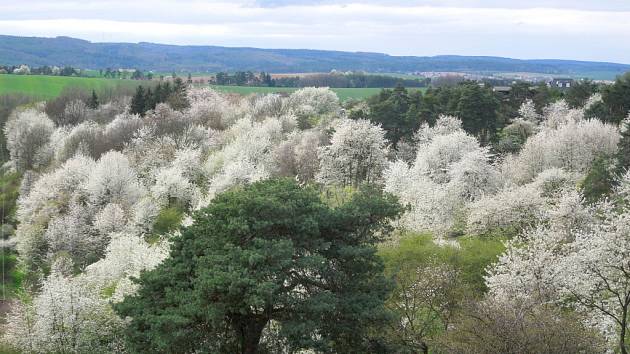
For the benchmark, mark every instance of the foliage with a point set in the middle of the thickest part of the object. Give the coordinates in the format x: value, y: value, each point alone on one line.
x: 492, y: 326
x: 397, y: 112
x: 599, y: 180
x: 8, y: 103
x: 268, y: 251
x: 579, y: 93
x: 104, y: 193
x: 566, y: 141
x: 73, y: 314
x: 332, y: 79
x: 10, y: 183
x: 432, y: 283
x: 93, y: 101
x: 623, y: 152
x: 476, y: 106
x: 615, y: 100
x: 513, y: 136
x: 168, y: 220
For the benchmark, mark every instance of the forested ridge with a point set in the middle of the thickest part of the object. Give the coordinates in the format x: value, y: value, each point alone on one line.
x: 66, y: 51
x: 187, y: 220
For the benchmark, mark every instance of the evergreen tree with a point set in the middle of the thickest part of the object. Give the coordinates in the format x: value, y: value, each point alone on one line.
x: 477, y: 108
x: 616, y: 99
x: 623, y: 152
x: 599, y: 181
x: 93, y: 101
x: 268, y: 254
x: 149, y: 100
x: 545, y: 95
x: 391, y: 110
x: 177, y: 98
x: 138, y: 101
x: 580, y: 92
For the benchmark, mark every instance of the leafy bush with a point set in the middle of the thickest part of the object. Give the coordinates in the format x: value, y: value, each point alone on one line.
x: 168, y: 220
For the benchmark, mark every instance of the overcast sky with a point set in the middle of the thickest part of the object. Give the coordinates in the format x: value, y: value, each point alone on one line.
x: 563, y: 29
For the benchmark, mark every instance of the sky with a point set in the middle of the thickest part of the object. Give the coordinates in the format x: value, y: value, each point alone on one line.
x: 596, y: 30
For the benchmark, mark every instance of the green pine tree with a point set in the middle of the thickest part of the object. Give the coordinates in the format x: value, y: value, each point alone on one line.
x: 269, y: 252
x: 93, y: 101
x: 138, y: 101
x: 623, y: 152
x: 599, y: 180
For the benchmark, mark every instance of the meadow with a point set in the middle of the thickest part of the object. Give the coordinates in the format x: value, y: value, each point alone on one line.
x: 343, y: 93
x: 42, y: 86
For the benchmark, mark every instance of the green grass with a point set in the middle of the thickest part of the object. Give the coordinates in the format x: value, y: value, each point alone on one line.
x: 44, y: 87
x: 343, y: 93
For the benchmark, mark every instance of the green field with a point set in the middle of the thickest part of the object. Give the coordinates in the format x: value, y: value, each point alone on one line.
x: 44, y: 87
x: 343, y: 93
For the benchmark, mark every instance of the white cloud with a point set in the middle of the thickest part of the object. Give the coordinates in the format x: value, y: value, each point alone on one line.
x: 588, y: 30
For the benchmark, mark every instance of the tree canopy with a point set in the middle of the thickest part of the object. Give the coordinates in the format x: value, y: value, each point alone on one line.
x: 268, y: 259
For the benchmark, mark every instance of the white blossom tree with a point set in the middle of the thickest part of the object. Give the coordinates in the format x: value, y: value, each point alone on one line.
x: 596, y: 273
x: 27, y: 134
x: 314, y: 100
x: 571, y: 145
x: 114, y: 181
x: 580, y: 259
x: 528, y: 112
x: 73, y: 314
x: 450, y: 171
x: 357, y: 153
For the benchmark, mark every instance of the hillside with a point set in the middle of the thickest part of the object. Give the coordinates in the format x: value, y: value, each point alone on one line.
x: 36, y: 51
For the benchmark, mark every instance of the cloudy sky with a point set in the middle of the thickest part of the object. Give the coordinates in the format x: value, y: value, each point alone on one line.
x: 563, y: 29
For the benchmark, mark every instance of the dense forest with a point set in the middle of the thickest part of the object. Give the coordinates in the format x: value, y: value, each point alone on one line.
x: 185, y: 220
x: 66, y: 51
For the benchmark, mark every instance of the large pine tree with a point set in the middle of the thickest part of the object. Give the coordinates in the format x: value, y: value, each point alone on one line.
x: 269, y: 255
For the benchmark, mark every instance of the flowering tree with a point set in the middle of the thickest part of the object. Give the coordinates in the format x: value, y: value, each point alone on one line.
x: 572, y: 145
x: 73, y: 314
x: 297, y: 156
x: 580, y: 259
x: 314, y: 100
x: 114, y: 181
x: 450, y: 171
x: 27, y: 134
x: 596, y: 273
x: 528, y: 112
x: 357, y: 153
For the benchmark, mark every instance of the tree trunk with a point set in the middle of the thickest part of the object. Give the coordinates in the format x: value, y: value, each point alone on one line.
x: 622, y: 334
x: 622, y: 341
x: 250, y: 330
x: 424, y: 347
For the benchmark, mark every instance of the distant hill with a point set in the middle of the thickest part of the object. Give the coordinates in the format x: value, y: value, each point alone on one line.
x: 36, y: 51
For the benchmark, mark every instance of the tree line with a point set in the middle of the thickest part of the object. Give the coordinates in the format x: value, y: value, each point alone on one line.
x: 42, y: 70
x: 334, y: 79
x: 485, y: 113
x: 146, y: 99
